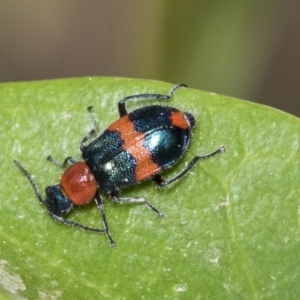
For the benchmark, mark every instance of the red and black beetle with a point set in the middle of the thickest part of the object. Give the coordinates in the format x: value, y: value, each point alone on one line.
x: 136, y: 147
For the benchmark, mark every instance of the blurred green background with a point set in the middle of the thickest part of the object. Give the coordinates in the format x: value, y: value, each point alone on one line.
x: 245, y: 49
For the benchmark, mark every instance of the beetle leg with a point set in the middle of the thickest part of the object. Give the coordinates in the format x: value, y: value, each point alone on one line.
x: 100, y: 205
x: 86, y: 138
x: 137, y: 200
x: 75, y: 224
x: 69, y: 160
x: 161, y: 182
x: 93, y: 131
x: 121, y: 104
x: 92, y: 118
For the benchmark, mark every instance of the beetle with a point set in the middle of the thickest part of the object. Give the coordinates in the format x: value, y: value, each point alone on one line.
x: 136, y: 147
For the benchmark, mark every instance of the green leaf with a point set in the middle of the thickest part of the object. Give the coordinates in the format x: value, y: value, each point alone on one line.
x: 231, y: 226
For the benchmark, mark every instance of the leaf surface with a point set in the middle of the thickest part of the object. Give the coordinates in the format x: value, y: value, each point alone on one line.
x: 231, y: 226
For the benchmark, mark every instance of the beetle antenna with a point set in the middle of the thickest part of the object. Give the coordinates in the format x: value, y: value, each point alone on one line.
x: 30, y: 179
